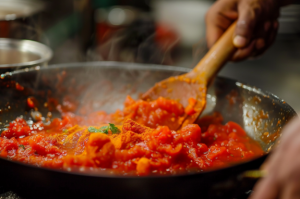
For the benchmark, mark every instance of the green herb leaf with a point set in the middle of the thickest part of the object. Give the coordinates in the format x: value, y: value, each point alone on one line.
x: 215, y: 138
x: 231, y: 155
x: 114, y: 129
x: 103, y: 129
x: 22, y: 146
x: 65, y: 130
x: 92, y: 129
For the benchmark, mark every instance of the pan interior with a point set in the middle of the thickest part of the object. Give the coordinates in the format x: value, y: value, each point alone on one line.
x: 105, y: 85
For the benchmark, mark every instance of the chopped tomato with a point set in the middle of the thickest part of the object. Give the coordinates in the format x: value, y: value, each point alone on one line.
x: 189, y: 110
x: 30, y: 102
x: 136, y: 141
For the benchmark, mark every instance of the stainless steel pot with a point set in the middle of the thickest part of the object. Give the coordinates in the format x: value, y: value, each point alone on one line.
x: 18, y: 19
x: 16, y: 54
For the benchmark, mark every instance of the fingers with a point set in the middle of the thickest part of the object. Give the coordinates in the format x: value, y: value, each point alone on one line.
x: 288, y: 170
x: 266, y: 188
x: 261, y: 35
x: 267, y: 38
x: 273, y: 33
x: 243, y: 53
x: 283, y: 174
x: 291, y: 190
x: 213, y: 34
x: 256, y: 25
x: 289, y: 133
x: 272, y: 188
x: 285, y: 148
x: 246, y: 23
x: 219, y: 17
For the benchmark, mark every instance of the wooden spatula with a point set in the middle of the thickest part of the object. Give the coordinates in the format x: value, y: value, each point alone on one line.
x: 194, y: 84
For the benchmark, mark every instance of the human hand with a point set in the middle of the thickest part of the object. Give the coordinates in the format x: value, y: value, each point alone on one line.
x: 256, y: 29
x: 282, y: 167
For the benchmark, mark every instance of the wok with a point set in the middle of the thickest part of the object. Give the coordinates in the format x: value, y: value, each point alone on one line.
x: 104, y: 86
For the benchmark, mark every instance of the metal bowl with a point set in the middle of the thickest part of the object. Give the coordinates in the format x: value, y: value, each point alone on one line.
x: 15, y: 54
x: 14, y: 9
x: 19, y: 19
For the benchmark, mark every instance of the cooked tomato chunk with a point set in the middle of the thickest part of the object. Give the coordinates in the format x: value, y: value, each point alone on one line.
x: 140, y: 140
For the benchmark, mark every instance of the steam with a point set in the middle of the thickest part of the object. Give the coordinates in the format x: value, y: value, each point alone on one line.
x: 164, y: 58
x: 199, y: 50
x: 109, y: 51
x: 136, y: 44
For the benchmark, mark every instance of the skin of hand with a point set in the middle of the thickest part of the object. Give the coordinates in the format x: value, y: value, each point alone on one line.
x: 282, y: 180
x: 256, y: 29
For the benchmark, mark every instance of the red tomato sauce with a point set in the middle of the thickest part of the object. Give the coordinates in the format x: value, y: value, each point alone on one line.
x: 135, y: 141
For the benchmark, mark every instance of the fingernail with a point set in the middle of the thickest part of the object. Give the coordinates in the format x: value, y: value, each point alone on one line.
x: 267, y: 26
x: 260, y: 44
x: 239, y: 41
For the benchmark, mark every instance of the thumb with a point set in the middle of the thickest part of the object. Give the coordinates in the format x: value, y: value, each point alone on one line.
x: 245, y: 24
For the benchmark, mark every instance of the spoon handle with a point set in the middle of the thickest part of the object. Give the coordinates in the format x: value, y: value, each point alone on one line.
x: 216, y: 57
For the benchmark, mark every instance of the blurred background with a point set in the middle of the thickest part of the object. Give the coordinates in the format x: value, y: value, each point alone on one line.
x: 167, y: 32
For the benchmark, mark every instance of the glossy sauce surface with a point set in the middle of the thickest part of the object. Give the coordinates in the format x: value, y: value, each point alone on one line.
x: 134, y: 141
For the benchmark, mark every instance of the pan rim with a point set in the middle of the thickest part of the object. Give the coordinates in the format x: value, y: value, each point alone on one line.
x: 22, y: 45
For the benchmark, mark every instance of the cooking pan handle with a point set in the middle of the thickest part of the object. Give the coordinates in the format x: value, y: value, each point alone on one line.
x: 255, y: 174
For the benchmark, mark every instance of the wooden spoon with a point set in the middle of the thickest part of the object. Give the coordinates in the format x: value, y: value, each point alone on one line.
x: 194, y: 84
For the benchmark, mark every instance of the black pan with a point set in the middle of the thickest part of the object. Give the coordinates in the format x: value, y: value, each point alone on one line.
x: 104, y: 85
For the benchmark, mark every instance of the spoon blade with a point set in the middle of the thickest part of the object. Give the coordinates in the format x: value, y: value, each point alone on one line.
x: 183, y: 90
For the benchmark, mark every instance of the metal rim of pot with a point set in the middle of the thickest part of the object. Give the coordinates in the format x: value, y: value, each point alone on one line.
x: 28, y: 8
x: 36, y: 48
